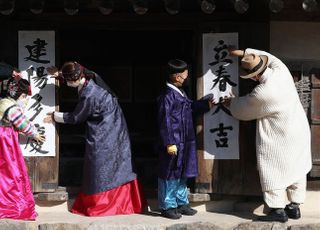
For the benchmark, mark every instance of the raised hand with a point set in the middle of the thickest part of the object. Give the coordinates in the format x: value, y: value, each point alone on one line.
x: 40, y: 138
x: 235, y: 52
x: 49, y: 118
x: 54, y: 71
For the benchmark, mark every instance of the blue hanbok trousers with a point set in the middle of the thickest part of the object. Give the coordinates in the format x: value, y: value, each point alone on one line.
x: 172, y: 193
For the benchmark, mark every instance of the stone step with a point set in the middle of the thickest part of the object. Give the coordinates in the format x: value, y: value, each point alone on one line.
x: 311, y: 207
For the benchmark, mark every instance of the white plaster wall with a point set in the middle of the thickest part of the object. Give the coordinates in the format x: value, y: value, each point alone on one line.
x: 295, y: 40
x: 297, y: 44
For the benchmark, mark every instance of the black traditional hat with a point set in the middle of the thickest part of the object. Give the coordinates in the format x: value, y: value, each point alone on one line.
x: 176, y: 66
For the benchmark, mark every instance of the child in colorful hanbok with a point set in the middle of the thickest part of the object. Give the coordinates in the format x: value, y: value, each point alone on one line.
x: 16, y: 198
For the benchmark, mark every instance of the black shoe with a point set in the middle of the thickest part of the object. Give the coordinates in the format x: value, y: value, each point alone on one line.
x: 293, y: 210
x: 275, y: 214
x: 171, y: 213
x: 186, y: 210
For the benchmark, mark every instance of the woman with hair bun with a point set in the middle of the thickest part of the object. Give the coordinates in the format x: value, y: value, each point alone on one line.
x: 109, y: 187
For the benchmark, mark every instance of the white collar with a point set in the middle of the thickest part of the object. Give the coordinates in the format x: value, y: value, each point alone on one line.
x: 174, y: 88
x: 82, y: 81
x: 266, y: 74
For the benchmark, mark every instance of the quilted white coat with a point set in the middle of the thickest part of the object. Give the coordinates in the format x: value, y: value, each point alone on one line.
x: 283, y: 145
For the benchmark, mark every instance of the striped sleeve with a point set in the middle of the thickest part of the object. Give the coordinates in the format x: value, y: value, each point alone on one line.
x: 21, y: 122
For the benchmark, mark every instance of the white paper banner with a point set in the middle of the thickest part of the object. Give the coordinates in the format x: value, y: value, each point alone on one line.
x: 221, y: 130
x: 36, y: 53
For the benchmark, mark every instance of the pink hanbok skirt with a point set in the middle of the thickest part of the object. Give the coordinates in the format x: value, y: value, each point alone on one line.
x: 16, y: 198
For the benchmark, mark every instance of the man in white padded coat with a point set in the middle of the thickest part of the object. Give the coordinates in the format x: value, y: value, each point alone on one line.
x: 283, y: 143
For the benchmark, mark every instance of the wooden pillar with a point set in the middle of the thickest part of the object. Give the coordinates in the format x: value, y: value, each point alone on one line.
x: 203, y: 183
x: 44, y: 171
x: 315, y: 124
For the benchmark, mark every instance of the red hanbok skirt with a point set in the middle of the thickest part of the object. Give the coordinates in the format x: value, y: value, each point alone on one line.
x: 16, y: 198
x: 125, y: 199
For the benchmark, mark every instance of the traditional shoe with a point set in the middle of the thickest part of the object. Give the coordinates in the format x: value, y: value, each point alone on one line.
x: 275, y: 214
x: 293, y: 210
x: 171, y: 213
x: 186, y: 210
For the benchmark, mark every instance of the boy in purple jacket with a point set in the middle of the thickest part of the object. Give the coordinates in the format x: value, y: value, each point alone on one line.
x: 177, y: 142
